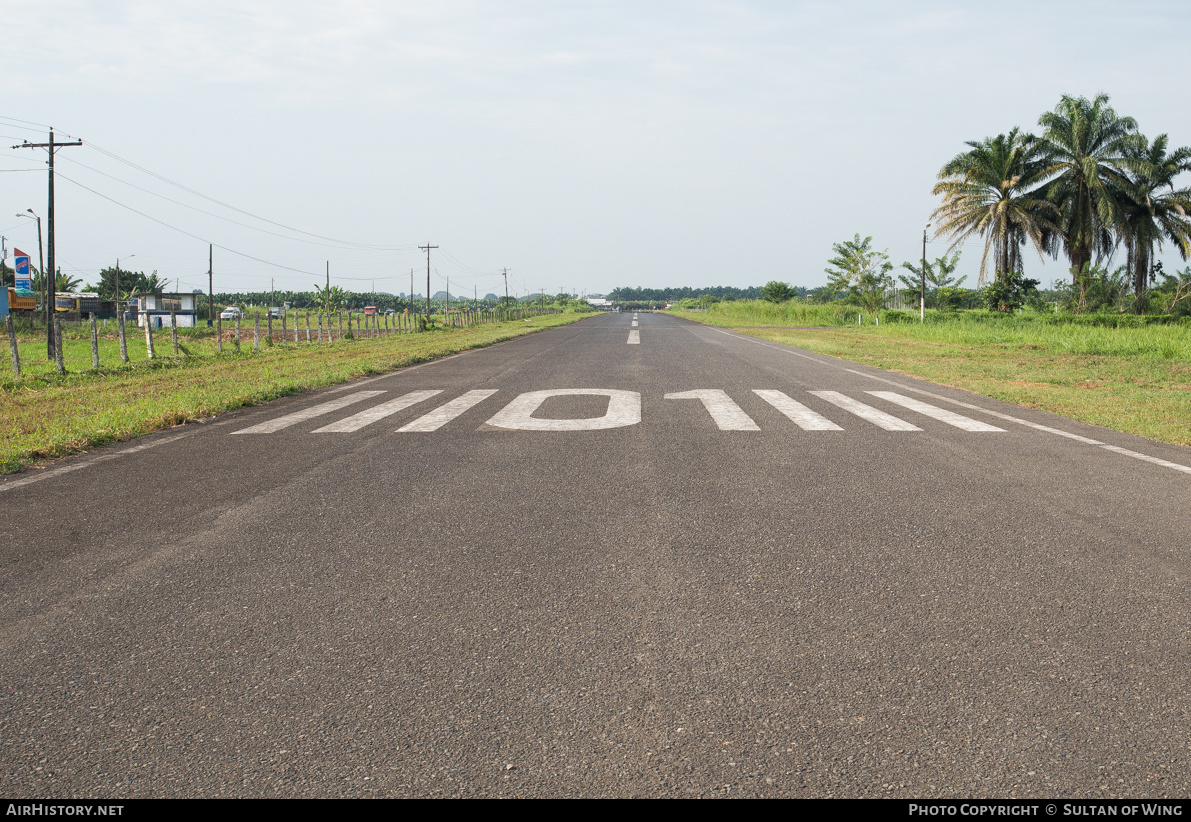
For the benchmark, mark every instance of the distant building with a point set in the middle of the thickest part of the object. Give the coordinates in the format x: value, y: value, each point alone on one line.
x: 599, y: 302
x: 159, y: 305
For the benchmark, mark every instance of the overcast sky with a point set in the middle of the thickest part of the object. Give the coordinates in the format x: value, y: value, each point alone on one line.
x: 580, y: 145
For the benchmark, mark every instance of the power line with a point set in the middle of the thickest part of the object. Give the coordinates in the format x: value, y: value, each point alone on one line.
x: 202, y: 211
x: 197, y: 193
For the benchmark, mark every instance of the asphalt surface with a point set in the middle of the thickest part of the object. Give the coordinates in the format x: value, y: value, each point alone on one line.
x: 660, y: 608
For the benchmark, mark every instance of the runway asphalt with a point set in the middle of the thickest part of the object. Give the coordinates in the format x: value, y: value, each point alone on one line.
x: 607, y: 559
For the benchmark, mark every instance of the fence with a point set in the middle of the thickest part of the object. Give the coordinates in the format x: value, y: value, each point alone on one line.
x: 292, y: 328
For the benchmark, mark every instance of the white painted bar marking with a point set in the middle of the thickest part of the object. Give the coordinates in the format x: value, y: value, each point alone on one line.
x: 634, y: 323
x: 1118, y: 450
x: 727, y: 414
x: 273, y: 426
x: 802, y: 416
x: 865, y: 412
x: 634, y: 338
x: 940, y: 414
x: 378, y: 412
x: 624, y: 408
x: 440, y: 416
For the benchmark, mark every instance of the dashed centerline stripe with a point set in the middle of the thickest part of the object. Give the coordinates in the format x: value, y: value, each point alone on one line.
x: 634, y: 337
x: 378, y: 412
x: 272, y: 426
x: 440, y: 416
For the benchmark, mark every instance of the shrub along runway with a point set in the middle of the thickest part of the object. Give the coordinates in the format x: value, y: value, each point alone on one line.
x: 703, y: 564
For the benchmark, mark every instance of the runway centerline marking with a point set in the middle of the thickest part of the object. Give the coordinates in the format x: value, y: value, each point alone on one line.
x: 634, y: 337
x: 727, y: 414
x: 803, y: 417
x: 940, y: 414
x: 624, y: 408
x: 866, y: 412
x: 378, y: 412
x: 440, y: 416
x: 274, y: 425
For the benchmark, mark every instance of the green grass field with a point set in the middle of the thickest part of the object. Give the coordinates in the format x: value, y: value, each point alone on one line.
x: 1136, y: 380
x: 45, y: 415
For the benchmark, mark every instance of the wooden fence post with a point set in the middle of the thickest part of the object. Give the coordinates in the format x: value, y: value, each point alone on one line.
x: 319, y: 317
x: 340, y: 314
x: 174, y: 330
x: 58, y: 361
x: 238, y: 331
x: 12, y: 344
x: 256, y: 334
x: 269, y: 322
x: 295, y: 328
x: 123, y: 340
x: 149, y: 336
x: 308, y: 327
x: 219, y: 334
x: 94, y: 343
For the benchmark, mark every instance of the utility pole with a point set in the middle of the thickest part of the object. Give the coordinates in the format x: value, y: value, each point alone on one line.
x: 922, y: 295
x: 411, y: 288
x: 210, y: 285
x: 448, y: 295
x: 505, y: 272
x: 50, y: 284
x: 427, y: 248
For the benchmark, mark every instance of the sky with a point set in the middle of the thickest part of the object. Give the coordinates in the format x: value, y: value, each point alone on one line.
x: 581, y: 146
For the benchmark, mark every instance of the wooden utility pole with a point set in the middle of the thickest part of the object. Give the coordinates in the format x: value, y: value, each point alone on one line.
x: 51, y: 274
x: 427, y: 248
x: 922, y: 295
x: 210, y: 284
x: 505, y: 272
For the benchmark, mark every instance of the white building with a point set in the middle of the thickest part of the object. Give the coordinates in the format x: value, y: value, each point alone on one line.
x: 158, y: 307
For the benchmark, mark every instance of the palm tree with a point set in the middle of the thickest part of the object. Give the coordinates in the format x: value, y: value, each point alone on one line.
x: 1153, y: 209
x: 66, y: 283
x: 1084, y: 147
x: 993, y: 190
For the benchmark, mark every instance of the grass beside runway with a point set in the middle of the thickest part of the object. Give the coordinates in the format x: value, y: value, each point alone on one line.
x: 46, y: 415
x: 1136, y: 380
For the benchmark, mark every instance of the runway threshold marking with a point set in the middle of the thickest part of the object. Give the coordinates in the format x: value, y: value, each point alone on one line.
x: 865, y: 412
x: 440, y: 416
x: 799, y: 414
x: 272, y: 426
x: 728, y: 416
x: 378, y: 412
x: 940, y: 414
x: 634, y: 338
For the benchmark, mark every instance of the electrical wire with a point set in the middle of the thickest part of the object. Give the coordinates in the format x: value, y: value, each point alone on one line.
x: 199, y: 210
x: 197, y: 193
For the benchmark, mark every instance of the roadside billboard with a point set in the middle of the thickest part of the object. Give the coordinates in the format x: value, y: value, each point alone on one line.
x: 20, y: 262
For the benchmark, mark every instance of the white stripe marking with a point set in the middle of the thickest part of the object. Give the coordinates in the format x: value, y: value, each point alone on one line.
x: 66, y: 469
x: 802, y: 416
x: 1117, y: 449
x: 440, y: 416
x: 727, y: 414
x: 624, y: 408
x: 634, y: 338
x: 378, y: 412
x: 634, y: 323
x: 997, y: 414
x: 865, y: 412
x: 940, y: 414
x: 272, y: 426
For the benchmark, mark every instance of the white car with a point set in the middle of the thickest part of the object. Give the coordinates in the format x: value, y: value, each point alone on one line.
x: 231, y: 313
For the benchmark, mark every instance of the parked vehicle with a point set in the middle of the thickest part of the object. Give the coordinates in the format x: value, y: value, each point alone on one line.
x: 370, y: 309
x: 274, y: 313
x: 389, y: 312
x: 22, y: 303
x: 231, y: 313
